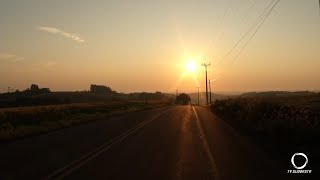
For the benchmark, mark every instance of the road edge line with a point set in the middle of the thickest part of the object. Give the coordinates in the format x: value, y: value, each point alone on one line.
x: 206, y: 147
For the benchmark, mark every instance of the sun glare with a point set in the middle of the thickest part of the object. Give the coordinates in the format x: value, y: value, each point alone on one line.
x: 191, y: 66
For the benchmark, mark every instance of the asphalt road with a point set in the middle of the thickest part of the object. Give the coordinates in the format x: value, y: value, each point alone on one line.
x: 180, y: 142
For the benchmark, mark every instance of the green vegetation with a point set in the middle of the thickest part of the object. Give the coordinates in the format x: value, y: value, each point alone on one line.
x: 279, y: 124
x: 293, y: 119
x: 25, y: 121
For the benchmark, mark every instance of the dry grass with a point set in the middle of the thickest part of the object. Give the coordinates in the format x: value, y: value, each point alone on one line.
x: 279, y: 125
x: 278, y: 118
x: 25, y: 121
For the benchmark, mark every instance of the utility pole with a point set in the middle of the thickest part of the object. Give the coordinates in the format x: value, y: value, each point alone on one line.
x: 198, y: 96
x: 210, y: 90
x: 206, y: 65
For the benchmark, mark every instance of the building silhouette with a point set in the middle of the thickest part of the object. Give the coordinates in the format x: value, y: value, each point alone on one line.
x: 100, y: 89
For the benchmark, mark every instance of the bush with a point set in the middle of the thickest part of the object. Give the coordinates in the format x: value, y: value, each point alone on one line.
x: 274, y: 118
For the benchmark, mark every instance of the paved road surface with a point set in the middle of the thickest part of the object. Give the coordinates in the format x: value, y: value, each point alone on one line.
x: 180, y: 142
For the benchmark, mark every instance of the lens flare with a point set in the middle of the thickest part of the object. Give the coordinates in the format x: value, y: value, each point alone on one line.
x: 191, y: 66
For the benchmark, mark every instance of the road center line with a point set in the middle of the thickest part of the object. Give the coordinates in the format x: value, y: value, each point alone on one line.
x: 76, y: 164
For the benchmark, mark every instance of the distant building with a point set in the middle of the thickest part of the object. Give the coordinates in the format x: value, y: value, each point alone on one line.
x: 46, y: 90
x: 100, y: 89
x: 35, y: 90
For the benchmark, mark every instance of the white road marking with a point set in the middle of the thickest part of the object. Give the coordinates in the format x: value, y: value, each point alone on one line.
x: 76, y: 164
x: 206, y: 147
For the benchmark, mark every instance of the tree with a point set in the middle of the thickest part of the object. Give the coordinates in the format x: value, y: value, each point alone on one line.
x: 183, y: 99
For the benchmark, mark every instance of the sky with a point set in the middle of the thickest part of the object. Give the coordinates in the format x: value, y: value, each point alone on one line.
x: 146, y: 45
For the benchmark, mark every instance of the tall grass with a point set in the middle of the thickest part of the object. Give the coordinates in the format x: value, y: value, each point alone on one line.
x: 24, y: 121
x: 275, y: 118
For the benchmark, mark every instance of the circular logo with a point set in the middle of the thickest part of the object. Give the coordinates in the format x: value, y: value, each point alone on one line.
x: 299, y: 154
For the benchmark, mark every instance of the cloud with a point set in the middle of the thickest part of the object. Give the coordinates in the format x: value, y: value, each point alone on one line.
x: 48, y: 63
x: 10, y: 57
x: 61, y: 32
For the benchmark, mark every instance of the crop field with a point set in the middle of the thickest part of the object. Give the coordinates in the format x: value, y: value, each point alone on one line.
x: 19, y: 122
x: 275, y: 117
x: 280, y: 124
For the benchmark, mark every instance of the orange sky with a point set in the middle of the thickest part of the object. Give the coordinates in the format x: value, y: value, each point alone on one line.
x: 145, y: 45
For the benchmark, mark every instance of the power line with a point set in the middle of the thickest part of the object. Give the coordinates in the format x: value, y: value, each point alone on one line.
x: 261, y: 23
x: 242, y: 21
x: 221, y: 27
x: 259, y: 19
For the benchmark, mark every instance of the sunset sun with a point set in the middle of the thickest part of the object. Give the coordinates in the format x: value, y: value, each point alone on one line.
x: 191, y: 66
x: 159, y: 89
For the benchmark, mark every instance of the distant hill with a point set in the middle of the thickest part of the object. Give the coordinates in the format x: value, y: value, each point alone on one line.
x: 22, y: 99
x: 277, y: 94
x: 267, y: 94
x: 214, y: 96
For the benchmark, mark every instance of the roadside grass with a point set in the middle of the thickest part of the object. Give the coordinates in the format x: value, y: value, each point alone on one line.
x: 290, y: 122
x: 279, y: 125
x: 21, y: 122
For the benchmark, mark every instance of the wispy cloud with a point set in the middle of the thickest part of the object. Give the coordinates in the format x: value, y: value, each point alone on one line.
x: 48, y: 63
x: 10, y: 57
x: 62, y: 33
